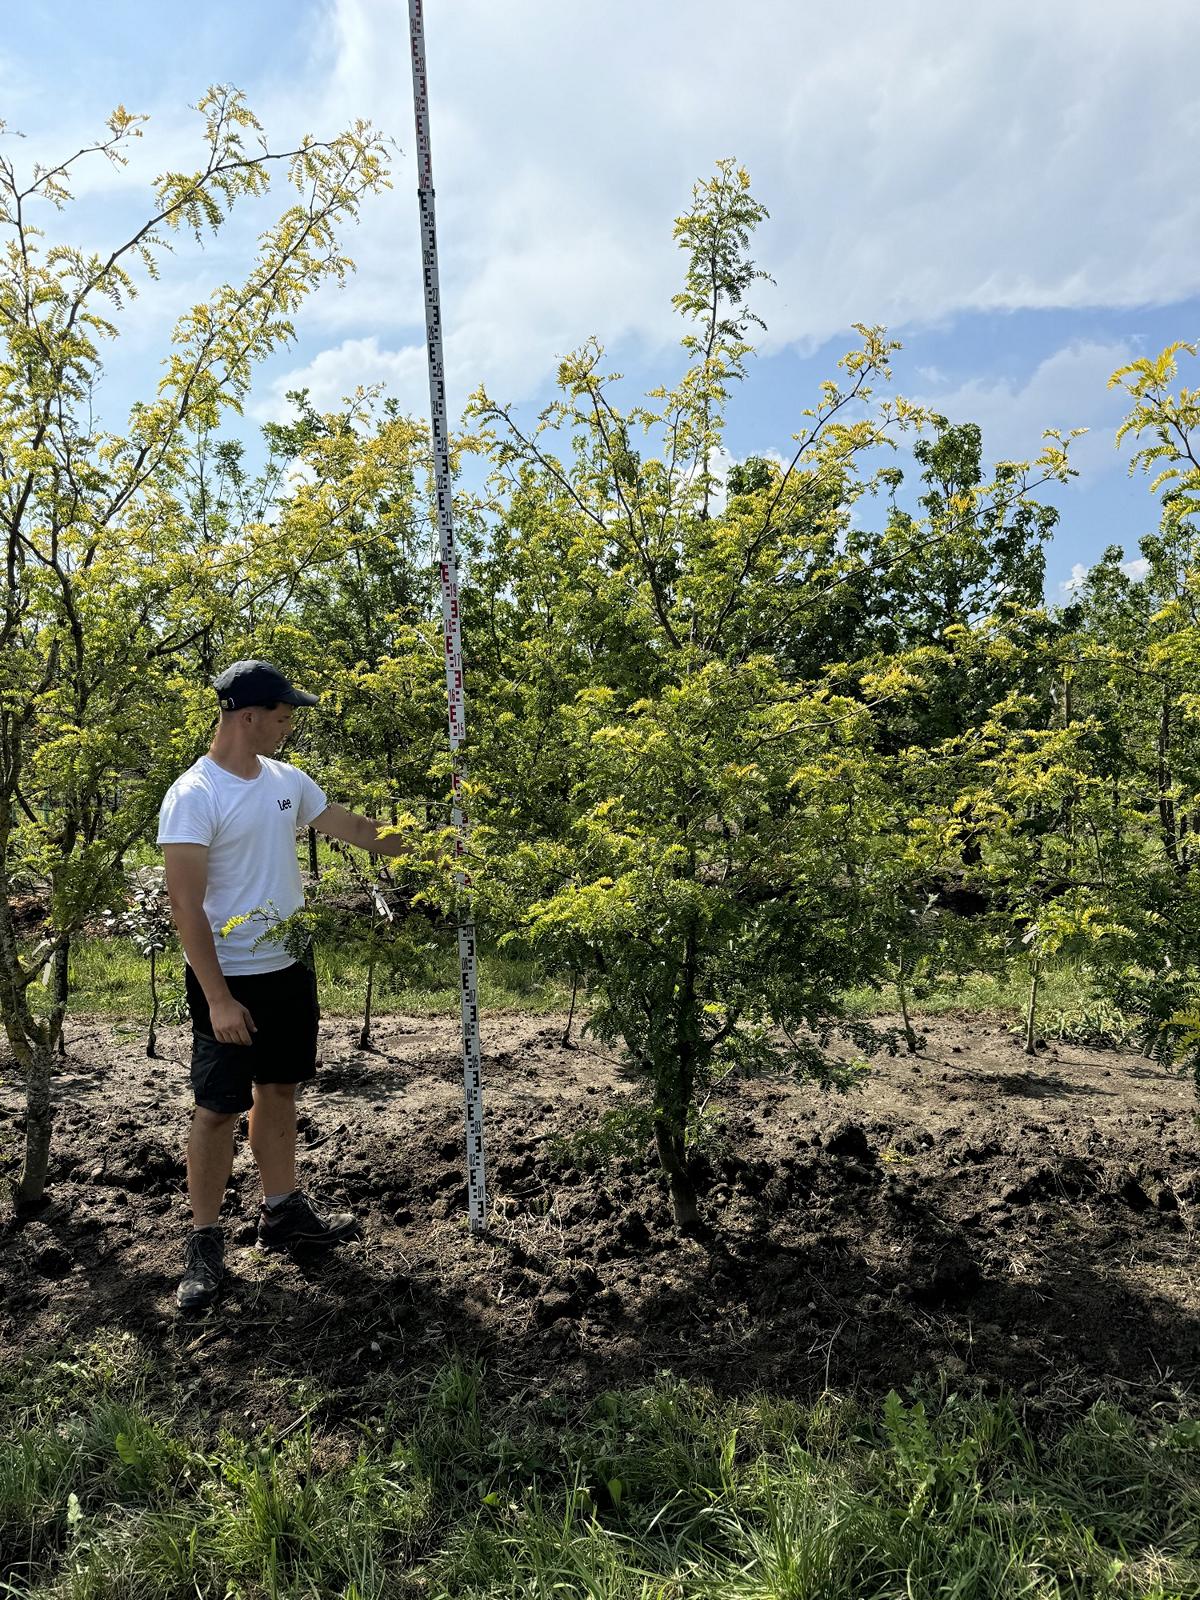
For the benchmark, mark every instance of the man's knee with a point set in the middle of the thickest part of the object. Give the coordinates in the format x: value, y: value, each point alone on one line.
x: 205, y: 1121
x: 274, y: 1093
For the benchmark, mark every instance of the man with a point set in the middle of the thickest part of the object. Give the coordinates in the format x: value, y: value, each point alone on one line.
x: 228, y: 831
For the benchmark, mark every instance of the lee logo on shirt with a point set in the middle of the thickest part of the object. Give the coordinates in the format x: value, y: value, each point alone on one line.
x: 284, y: 805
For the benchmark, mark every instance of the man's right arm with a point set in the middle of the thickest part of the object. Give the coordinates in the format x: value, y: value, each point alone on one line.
x: 187, y: 879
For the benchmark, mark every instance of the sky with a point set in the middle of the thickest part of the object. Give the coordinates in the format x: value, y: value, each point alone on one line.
x: 1008, y: 186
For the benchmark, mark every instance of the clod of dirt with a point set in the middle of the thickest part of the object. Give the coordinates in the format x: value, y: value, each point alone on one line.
x: 859, y: 1172
x: 633, y: 1230
x: 949, y: 1278
x: 52, y: 1262
x: 848, y: 1142
x: 1076, y: 1177
x: 1134, y: 1196
x: 586, y: 1280
x: 556, y: 1305
x: 1073, y: 1176
x: 510, y: 1172
x: 902, y: 1191
x: 439, y: 1182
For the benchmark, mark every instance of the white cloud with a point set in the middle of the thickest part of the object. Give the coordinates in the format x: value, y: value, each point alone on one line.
x: 926, y: 160
x: 1067, y: 390
x: 1136, y: 570
x: 931, y: 161
x: 335, y: 373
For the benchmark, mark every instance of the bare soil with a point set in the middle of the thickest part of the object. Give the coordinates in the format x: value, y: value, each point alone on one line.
x: 974, y: 1215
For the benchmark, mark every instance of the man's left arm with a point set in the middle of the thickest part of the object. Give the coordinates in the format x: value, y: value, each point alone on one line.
x: 361, y: 832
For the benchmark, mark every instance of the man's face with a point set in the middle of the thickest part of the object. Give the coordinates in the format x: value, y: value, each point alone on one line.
x: 271, y: 728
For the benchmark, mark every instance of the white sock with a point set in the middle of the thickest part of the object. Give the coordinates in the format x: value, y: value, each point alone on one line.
x: 276, y: 1200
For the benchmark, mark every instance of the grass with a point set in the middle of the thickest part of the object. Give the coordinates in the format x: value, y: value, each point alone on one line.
x: 109, y: 977
x: 450, y: 1490
x: 980, y: 994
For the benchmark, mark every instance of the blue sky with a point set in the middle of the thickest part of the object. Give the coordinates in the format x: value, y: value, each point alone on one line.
x: 1008, y: 186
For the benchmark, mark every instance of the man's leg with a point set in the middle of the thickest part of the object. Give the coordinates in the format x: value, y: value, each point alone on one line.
x: 289, y: 1218
x: 286, y: 1047
x: 209, y: 1163
x: 273, y: 1136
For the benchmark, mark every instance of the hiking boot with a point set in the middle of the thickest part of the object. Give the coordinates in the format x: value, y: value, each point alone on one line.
x: 297, y: 1223
x: 203, y: 1269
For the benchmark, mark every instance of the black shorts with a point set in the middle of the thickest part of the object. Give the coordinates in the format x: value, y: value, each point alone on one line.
x: 284, y: 1049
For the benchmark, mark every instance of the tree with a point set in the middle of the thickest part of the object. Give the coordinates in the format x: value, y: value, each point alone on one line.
x: 1139, y: 660
x: 1053, y: 906
x: 368, y: 625
x: 938, y: 583
x: 716, y: 879
x: 662, y: 805
x: 104, y: 588
x: 146, y: 920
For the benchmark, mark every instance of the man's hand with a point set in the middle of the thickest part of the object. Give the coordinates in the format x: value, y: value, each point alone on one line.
x: 231, y: 1022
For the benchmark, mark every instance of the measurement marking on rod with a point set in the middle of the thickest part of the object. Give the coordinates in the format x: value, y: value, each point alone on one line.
x: 455, y: 696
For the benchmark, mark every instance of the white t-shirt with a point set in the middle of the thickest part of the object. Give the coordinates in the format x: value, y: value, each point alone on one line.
x: 249, y: 826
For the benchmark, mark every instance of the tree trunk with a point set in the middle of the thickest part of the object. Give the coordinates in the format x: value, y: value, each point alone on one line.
x: 1166, y: 804
x: 38, y: 1121
x: 364, y: 1038
x: 33, y: 1045
x: 61, y: 980
x: 42, y: 1041
x: 566, y: 1038
x: 674, y: 1088
x: 672, y: 1155
x: 902, y: 990
x: 152, y: 1040
x: 1031, y: 1014
x: 19, y: 1024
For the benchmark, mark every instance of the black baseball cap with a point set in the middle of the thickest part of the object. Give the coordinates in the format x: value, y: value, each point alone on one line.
x: 257, y: 683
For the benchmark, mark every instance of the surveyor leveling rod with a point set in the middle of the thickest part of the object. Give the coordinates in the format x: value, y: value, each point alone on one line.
x: 452, y: 629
